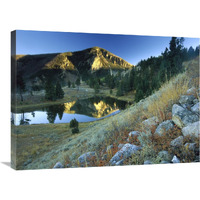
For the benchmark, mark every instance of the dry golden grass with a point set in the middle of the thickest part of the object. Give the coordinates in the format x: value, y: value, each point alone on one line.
x: 114, y: 130
x: 168, y: 95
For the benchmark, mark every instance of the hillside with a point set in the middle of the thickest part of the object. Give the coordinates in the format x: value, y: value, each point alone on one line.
x: 88, y: 60
x: 155, y: 130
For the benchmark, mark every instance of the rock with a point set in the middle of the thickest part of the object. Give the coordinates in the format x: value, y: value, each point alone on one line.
x: 165, y: 162
x: 147, y: 162
x: 133, y: 135
x: 120, y: 146
x: 178, y: 142
x: 125, y: 152
x: 186, y: 99
x: 192, y: 129
x: 189, y: 119
x: 195, y: 101
x: 86, y: 158
x: 58, y: 165
x: 187, y: 106
x: 121, y: 162
x: 164, y: 155
x: 195, y: 108
x: 148, y: 124
x: 164, y: 127
x: 191, y: 91
x: 182, y: 117
x: 190, y: 146
x: 175, y: 159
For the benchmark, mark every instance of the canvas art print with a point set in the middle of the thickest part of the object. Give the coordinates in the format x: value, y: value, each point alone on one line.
x: 91, y: 100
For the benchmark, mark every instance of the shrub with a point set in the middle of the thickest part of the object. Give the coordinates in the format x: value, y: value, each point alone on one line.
x: 75, y: 130
x: 73, y: 123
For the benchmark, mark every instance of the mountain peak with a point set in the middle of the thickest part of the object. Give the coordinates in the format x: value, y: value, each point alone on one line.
x: 91, y: 59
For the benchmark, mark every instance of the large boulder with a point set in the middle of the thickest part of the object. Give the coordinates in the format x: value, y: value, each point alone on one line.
x: 120, y: 146
x: 182, y: 116
x: 164, y: 127
x: 191, y: 91
x: 147, y: 162
x: 192, y: 129
x: 58, y: 165
x: 195, y: 101
x: 190, y: 146
x: 195, y: 108
x: 121, y: 162
x: 178, y: 142
x: 175, y: 159
x: 186, y: 99
x: 164, y: 156
x: 150, y: 123
x: 125, y: 152
x: 133, y: 135
x: 164, y: 162
x: 86, y: 158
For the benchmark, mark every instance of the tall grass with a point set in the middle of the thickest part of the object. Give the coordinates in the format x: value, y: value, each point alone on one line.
x: 168, y: 95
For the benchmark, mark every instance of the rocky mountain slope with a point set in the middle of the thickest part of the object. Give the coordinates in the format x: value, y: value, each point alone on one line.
x: 88, y: 60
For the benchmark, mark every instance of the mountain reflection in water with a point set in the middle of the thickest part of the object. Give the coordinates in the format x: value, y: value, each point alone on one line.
x: 82, y: 110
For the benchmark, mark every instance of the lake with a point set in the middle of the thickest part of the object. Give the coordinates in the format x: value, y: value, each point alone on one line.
x: 86, y: 110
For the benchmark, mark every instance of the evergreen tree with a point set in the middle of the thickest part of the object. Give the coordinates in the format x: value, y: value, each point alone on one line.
x: 69, y: 84
x: 96, y: 88
x: 51, y: 114
x: 21, y: 85
x: 59, y: 93
x: 50, y: 91
x: 73, y: 123
x: 120, y: 89
x: 191, y: 53
x: 197, y: 51
x: 139, y: 95
x: 78, y: 82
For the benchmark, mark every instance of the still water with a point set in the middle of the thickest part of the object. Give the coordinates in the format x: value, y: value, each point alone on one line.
x: 86, y: 110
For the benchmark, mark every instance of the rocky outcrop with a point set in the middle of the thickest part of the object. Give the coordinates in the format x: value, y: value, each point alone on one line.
x: 150, y: 123
x: 120, y: 146
x: 86, y: 158
x: 175, y: 159
x: 58, y: 165
x: 190, y: 146
x: 164, y: 127
x: 186, y: 99
x: 125, y: 152
x: 195, y: 108
x: 182, y: 116
x: 191, y: 91
x: 192, y: 129
x: 164, y: 156
x: 178, y: 142
x: 147, y: 162
x: 133, y: 135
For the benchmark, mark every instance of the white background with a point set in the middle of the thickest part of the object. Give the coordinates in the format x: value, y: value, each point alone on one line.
x: 161, y: 18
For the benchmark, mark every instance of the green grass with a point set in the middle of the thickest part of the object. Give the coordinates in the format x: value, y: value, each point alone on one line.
x: 34, y: 141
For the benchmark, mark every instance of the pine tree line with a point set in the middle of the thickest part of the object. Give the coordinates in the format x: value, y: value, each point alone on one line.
x: 53, y: 92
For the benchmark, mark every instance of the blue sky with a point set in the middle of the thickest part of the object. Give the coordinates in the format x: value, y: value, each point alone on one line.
x: 132, y: 48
